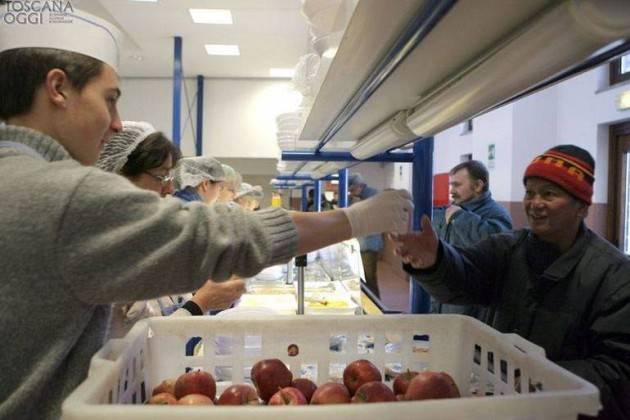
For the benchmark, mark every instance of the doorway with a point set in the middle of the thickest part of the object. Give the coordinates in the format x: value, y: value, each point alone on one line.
x: 618, y: 228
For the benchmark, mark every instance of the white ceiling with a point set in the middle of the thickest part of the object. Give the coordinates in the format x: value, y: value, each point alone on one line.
x: 269, y: 33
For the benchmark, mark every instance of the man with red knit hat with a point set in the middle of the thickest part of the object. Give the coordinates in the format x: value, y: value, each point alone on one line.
x: 557, y: 283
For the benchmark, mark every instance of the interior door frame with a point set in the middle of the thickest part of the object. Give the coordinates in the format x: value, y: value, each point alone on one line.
x: 615, y: 188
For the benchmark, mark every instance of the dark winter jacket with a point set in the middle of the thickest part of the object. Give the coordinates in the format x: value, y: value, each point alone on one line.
x: 575, y: 305
x: 478, y: 219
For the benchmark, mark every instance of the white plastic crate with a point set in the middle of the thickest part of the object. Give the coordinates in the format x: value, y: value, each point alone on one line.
x: 481, y: 360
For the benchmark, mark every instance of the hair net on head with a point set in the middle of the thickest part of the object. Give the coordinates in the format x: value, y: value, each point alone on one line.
x: 122, y: 144
x: 232, y: 177
x: 249, y: 190
x: 192, y: 171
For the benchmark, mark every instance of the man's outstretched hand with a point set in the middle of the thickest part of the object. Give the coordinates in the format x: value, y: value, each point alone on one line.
x: 419, y: 249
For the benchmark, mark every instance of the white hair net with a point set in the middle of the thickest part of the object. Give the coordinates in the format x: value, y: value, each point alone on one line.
x: 232, y: 177
x: 192, y: 171
x: 122, y: 144
x: 249, y: 190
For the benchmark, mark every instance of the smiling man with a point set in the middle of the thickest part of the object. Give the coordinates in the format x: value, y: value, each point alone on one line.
x: 558, y: 284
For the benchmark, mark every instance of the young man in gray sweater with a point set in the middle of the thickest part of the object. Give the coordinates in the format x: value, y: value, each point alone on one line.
x: 75, y: 239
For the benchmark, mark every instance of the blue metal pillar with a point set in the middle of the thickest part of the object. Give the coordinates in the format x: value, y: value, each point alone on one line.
x: 199, y: 137
x: 304, y: 197
x: 343, y: 188
x: 177, y: 90
x: 422, y: 186
x: 317, y: 195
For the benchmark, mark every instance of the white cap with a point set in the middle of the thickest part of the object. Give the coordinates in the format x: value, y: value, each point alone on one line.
x: 192, y: 171
x: 253, y: 191
x: 117, y: 150
x: 70, y: 30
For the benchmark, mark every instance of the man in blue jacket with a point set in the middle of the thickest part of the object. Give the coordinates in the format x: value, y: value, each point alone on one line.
x: 472, y: 216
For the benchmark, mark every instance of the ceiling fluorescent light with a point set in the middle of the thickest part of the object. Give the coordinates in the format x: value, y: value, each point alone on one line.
x: 217, y: 49
x: 392, y: 133
x: 211, y: 16
x: 552, y: 43
x: 281, y: 72
x: 329, y: 168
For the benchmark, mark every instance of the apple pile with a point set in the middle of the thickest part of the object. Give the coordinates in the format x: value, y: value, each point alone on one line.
x: 274, y: 385
x: 191, y: 388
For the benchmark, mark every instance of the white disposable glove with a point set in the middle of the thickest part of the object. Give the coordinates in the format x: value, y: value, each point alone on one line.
x: 389, y: 211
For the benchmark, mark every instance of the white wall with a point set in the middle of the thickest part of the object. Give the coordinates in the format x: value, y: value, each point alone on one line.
x: 239, y: 115
x: 152, y: 100
x: 492, y: 128
x: 398, y: 175
x: 534, y: 131
x: 496, y: 129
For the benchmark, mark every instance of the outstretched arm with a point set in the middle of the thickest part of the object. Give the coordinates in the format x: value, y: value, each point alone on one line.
x: 449, y: 274
x: 388, y: 211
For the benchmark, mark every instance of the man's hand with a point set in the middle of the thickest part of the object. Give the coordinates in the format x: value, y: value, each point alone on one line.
x: 216, y: 296
x: 450, y: 211
x: 388, y: 211
x: 417, y: 248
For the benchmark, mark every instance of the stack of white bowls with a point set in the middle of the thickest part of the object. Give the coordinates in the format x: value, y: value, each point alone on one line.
x: 289, y: 125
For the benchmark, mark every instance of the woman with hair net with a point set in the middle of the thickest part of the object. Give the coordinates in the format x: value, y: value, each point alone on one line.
x: 249, y: 196
x: 230, y: 186
x: 145, y: 157
x: 77, y: 239
x: 199, y: 179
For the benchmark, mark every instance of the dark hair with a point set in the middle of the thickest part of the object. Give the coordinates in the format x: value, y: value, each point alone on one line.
x: 477, y: 171
x: 149, y: 154
x: 23, y: 70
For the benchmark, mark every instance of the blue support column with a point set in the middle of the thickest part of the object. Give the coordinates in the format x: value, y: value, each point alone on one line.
x: 422, y: 185
x: 304, y: 197
x: 199, y: 137
x: 177, y: 90
x: 343, y: 188
x: 317, y: 196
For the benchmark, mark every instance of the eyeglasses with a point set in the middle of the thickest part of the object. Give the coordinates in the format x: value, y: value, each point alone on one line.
x: 164, y: 179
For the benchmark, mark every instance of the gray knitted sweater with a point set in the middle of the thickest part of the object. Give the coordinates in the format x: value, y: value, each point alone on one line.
x: 74, y: 239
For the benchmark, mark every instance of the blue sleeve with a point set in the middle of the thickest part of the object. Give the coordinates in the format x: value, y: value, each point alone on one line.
x: 468, y: 228
x: 467, y: 276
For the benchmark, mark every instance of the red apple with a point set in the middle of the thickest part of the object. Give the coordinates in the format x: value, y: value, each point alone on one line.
x: 288, y: 396
x: 269, y: 375
x: 167, y: 385
x: 163, y: 398
x: 372, y: 392
x: 430, y: 385
x: 306, y: 387
x: 239, y: 395
x: 401, y: 383
x: 195, y: 382
x: 331, y: 393
x: 195, y: 399
x: 358, y: 373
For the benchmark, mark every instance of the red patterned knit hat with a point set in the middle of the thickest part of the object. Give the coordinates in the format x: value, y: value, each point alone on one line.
x: 570, y: 167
